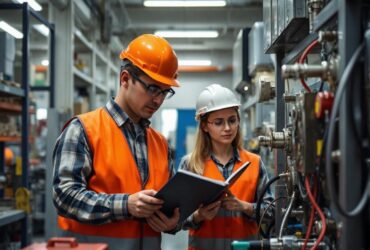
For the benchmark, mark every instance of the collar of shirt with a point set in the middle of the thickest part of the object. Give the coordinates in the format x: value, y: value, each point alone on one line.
x: 120, y: 117
x: 235, y: 158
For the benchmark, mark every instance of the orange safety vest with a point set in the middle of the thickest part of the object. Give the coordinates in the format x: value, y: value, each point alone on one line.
x: 116, y: 172
x: 228, y: 226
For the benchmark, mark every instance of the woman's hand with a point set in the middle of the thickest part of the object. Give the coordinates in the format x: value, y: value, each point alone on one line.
x: 206, y: 212
x: 232, y: 203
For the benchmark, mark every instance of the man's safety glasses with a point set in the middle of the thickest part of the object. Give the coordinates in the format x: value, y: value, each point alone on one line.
x: 154, y: 90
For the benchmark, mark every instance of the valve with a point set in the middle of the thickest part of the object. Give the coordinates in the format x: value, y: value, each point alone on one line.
x: 277, y: 140
x: 327, y: 71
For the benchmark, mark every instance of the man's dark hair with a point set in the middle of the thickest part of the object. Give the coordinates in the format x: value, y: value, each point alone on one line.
x: 131, y: 68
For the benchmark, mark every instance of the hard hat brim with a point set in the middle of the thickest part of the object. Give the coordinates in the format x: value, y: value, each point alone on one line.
x: 165, y: 80
x: 236, y: 105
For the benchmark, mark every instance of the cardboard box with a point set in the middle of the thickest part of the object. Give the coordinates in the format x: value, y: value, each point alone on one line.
x: 81, y: 105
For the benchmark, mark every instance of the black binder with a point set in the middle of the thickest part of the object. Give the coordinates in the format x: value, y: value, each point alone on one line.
x: 187, y: 191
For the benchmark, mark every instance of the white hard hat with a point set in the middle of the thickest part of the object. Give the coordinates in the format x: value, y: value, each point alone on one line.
x: 215, y: 97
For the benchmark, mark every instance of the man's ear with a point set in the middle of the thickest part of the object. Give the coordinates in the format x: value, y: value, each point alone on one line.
x: 124, y: 77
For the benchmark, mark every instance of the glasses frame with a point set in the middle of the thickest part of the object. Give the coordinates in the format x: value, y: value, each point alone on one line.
x: 152, y: 89
x: 224, y: 121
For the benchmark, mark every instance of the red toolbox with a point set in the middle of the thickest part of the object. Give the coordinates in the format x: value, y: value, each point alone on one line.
x: 66, y: 243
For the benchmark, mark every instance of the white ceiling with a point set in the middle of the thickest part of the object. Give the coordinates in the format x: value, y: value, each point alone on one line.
x: 131, y: 18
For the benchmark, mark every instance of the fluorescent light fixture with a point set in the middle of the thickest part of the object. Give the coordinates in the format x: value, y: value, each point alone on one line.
x: 195, y: 62
x: 11, y: 30
x: 41, y: 114
x: 45, y: 62
x: 42, y: 29
x: 195, y: 3
x: 187, y: 33
x: 32, y: 3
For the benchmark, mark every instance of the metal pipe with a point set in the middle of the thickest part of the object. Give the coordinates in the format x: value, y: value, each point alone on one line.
x: 286, y: 215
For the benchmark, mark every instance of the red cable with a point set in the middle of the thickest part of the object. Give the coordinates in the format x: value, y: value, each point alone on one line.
x: 312, y: 216
x: 321, y: 214
x: 301, y: 61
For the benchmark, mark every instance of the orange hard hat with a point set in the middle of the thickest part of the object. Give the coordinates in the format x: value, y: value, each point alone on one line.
x: 155, y: 57
x: 9, y: 156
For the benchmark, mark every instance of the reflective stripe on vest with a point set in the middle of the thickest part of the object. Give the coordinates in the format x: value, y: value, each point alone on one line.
x: 228, y: 226
x: 116, y: 172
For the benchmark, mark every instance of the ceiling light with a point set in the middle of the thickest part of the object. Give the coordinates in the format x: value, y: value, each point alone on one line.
x: 12, y: 31
x: 45, y: 62
x: 187, y: 33
x: 195, y: 3
x: 195, y: 62
x: 32, y: 3
x: 42, y: 29
x: 41, y: 114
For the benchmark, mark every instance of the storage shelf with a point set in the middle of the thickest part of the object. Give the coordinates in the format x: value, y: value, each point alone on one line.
x: 82, y: 41
x: 9, y: 90
x: 86, y: 78
x: 101, y: 88
x: 10, y: 107
x: 14, y: 139
x: 101, y: 57
x: 10, y: 216
x: 10, y: 138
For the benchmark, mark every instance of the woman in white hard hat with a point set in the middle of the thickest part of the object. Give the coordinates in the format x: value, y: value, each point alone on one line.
x: 218, y: 152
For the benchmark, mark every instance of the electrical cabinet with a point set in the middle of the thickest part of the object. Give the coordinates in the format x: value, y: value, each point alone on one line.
x: 286, y: 24
x: 258, y: 60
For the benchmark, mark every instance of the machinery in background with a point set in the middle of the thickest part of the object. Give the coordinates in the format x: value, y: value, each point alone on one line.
x: 254, y: 80
x: 321, y: 137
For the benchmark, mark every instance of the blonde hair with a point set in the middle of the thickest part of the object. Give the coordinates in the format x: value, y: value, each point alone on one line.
x: 203, y: 146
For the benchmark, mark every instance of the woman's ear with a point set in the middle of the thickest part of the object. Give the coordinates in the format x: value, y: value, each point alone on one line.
x: 203, y: 126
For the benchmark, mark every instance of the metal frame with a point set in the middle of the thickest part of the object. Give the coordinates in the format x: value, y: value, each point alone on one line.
x: 280, y: 188
x: 26, y: 11
x: 354, y: 231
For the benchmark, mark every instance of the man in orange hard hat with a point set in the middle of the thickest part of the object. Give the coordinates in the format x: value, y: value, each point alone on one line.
x: 109, y: 163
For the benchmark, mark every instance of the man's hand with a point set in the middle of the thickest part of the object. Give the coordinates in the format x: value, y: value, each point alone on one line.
x: 159, y: 222
x: 142, y: 204
x: 207, y: 212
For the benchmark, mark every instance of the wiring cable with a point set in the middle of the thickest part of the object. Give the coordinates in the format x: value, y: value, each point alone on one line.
x: 359, y: 124
x: 328, y: 166
x: 259, y: 202
x: 312, y: 216
x: 302, y: 192
x: 271, y: 204
x: 286, y: 214
x: 301, y: 61
x: 321, y: 214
